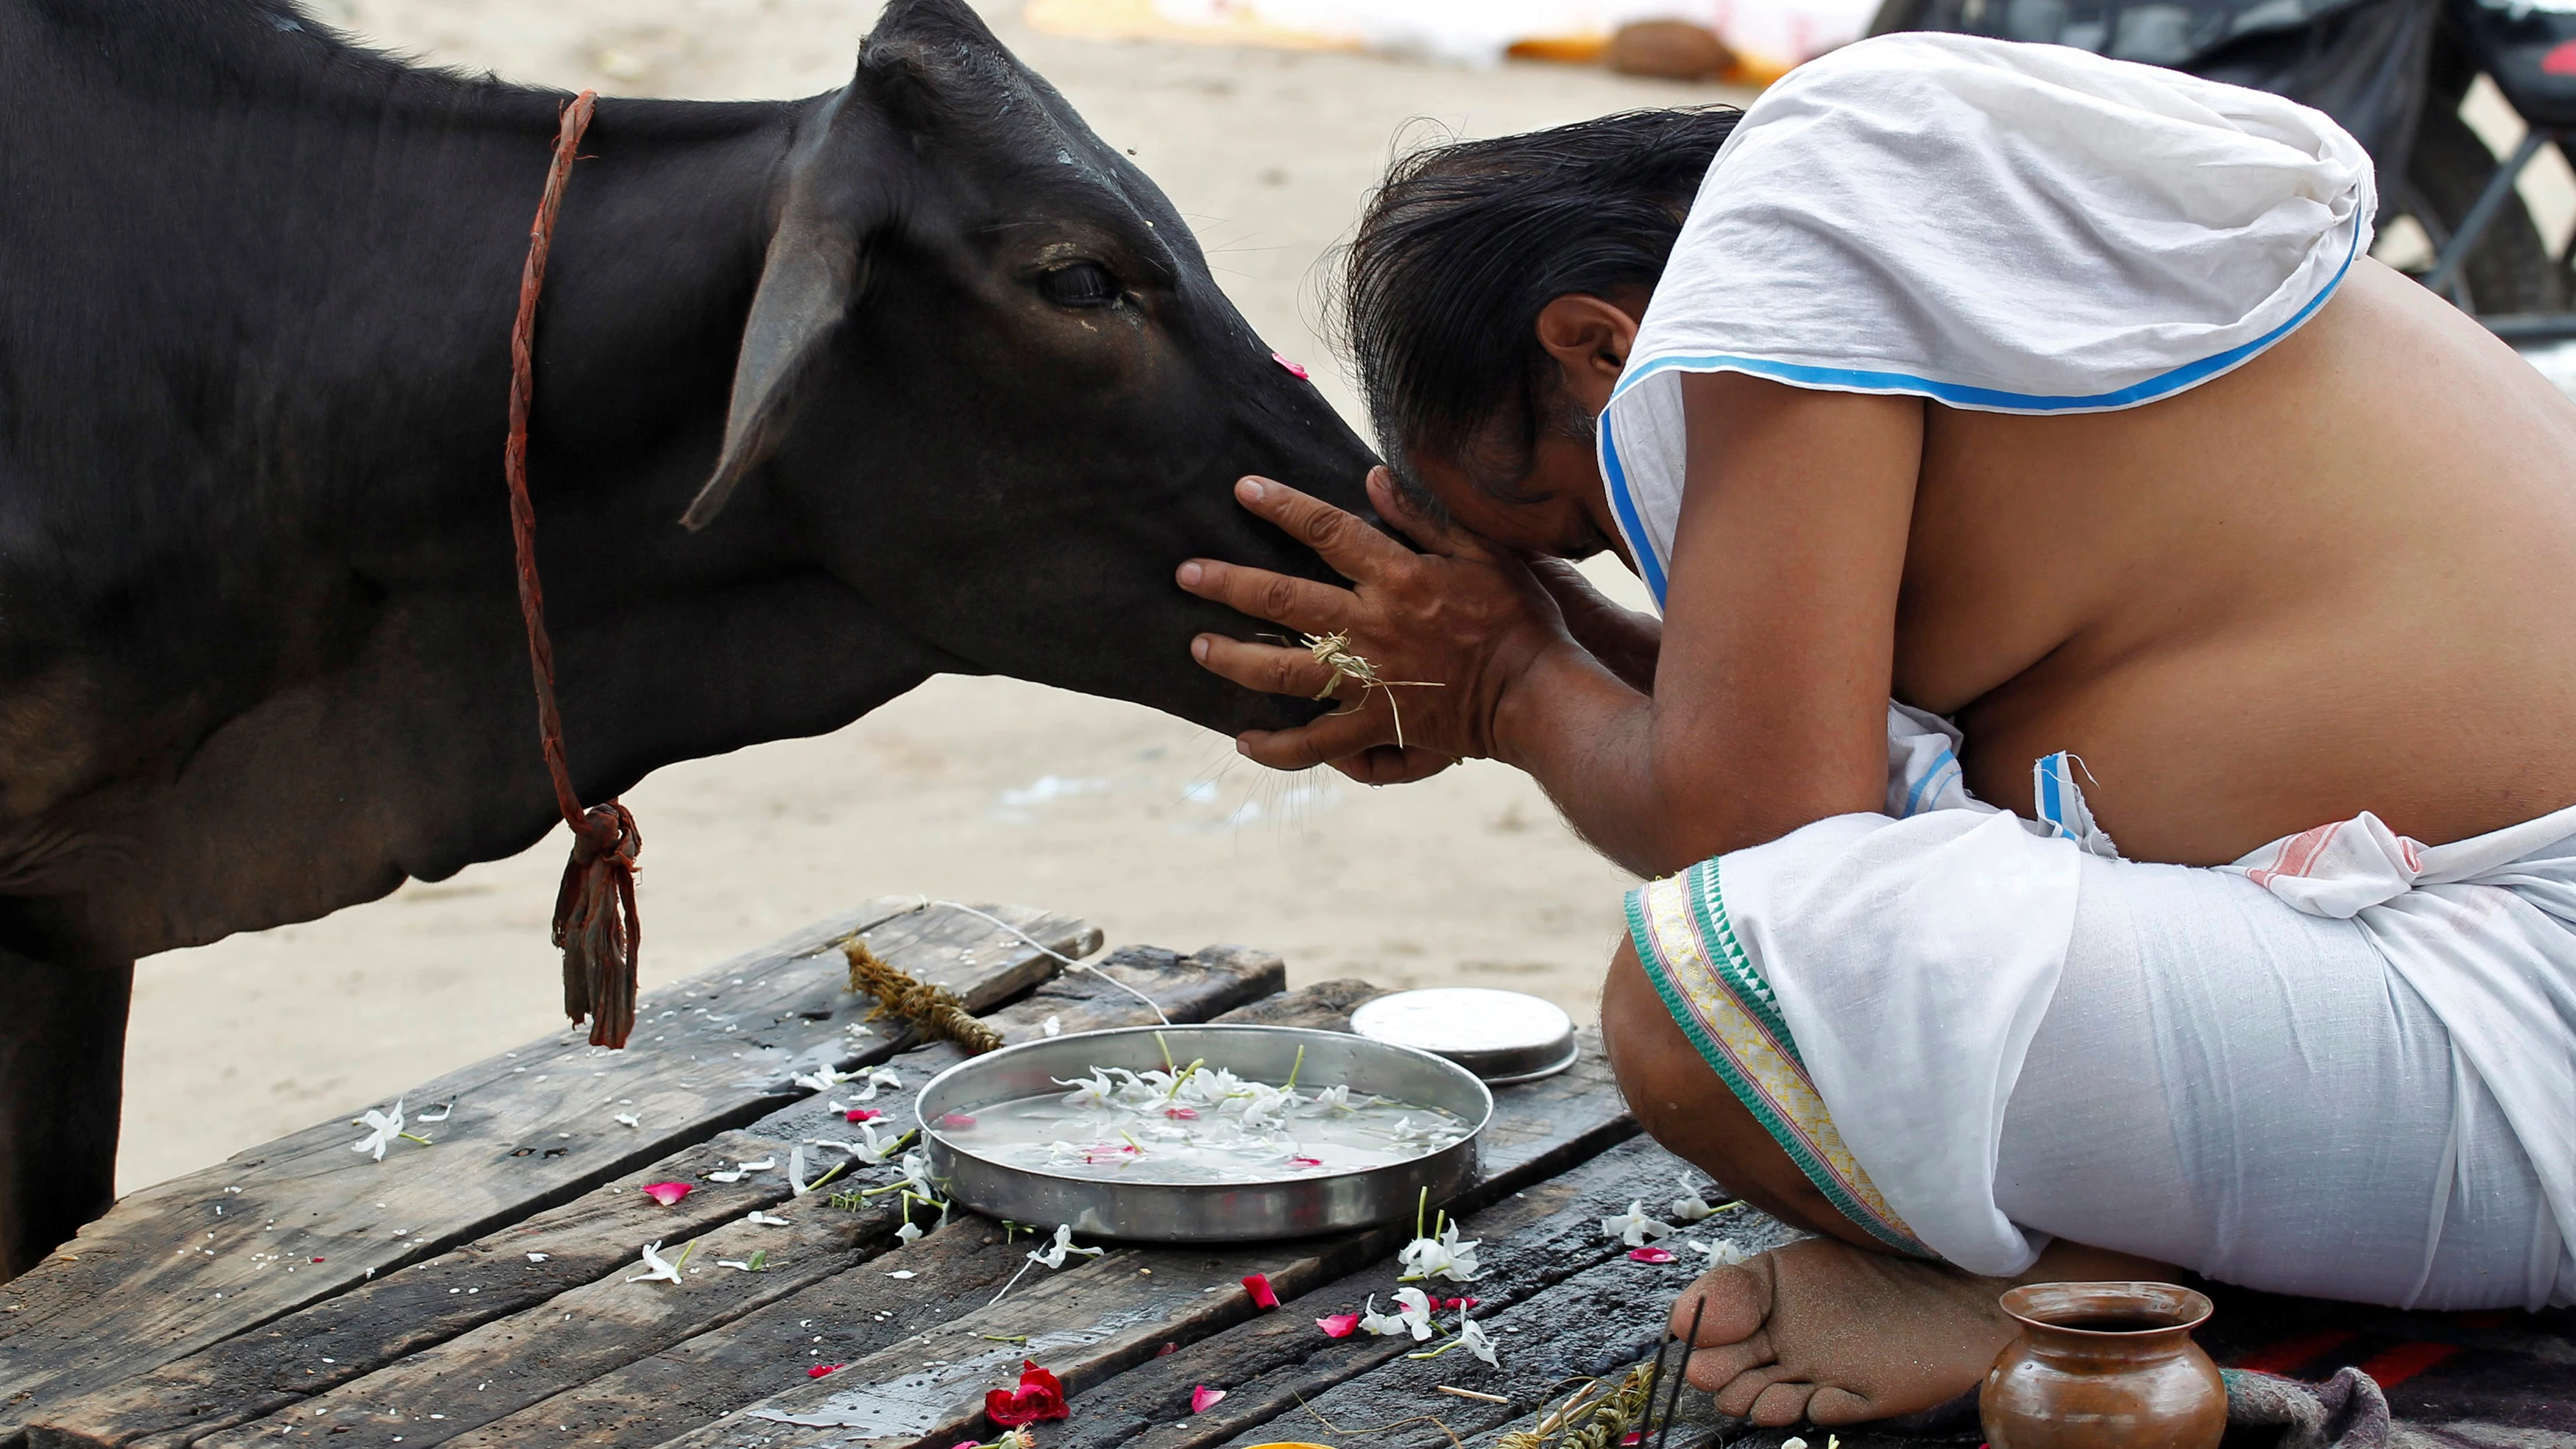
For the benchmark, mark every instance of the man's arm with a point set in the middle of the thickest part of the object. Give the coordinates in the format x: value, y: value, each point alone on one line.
x: 1770, y: 701
x: 1770, y: 693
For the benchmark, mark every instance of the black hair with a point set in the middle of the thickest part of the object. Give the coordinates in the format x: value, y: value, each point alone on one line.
x: 1465, y: 243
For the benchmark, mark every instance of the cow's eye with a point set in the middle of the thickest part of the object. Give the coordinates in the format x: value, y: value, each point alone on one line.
x: 1079, y: 284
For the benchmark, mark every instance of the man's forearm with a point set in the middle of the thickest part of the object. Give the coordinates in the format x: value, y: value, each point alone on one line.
x: 1587, y: 737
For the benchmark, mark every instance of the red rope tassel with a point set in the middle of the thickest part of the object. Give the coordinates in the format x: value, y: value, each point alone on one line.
x: 595, y: 920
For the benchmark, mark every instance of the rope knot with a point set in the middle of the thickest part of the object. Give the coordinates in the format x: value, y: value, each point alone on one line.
x: 595, y: 923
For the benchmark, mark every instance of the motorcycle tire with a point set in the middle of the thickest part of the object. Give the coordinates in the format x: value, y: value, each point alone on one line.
x: 2511, y: 270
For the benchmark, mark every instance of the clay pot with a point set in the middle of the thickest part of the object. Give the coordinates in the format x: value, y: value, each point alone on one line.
x: 2104, y: 1366
x: 1668, y: 49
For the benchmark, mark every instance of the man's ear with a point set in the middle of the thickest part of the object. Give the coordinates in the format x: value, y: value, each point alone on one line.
x: 838, y: 194
x: 1590, y: 338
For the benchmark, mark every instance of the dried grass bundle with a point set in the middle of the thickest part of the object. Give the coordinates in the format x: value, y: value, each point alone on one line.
x: 933, y: 1009
x: 1333, y: 651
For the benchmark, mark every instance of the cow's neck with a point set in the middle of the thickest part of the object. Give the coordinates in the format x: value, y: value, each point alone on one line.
x: 328, y: 690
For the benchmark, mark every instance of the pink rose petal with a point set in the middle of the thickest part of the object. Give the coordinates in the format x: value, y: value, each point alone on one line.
x: 954, y: 1120
x: 1650, y: 1255
x: 666, y: 1193
x: 1302, y: 1160
x: 1186, y: 1114
x: 1282, y: 359
x: 863, y: 1114
x: 1340, y: 1325
x: 1204, y: 1398
x: 1258, y: 1285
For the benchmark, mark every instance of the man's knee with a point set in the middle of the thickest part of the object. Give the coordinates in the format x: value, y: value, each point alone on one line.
x: 1682, y: 1103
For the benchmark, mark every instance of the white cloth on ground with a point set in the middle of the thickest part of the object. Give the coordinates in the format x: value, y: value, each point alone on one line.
x: 2341, y: 1066
x: 1998, y: 226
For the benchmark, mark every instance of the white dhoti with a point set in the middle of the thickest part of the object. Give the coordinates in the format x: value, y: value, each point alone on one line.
x: 2344, y: 1066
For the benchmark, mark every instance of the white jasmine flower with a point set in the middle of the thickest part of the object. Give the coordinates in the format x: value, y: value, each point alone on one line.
x: 763, y: 1165
x: 1793, y: 1442
x: 1690, y: 1207
x: 627, y: 1119
x: 1336, y: 1102
x: 734, y: 1263
x: 1412, y: 1315
x: 909, y: 1233
x: 1634, y: 1228
x: 1264, y: 1106
x: 1054, y: 1027
x: 757, y: 1218
x: 446, y: 1110
x: 538, y: 1257
x: 1052, y: 1255
x: 655, y: 1269
x: 1440, y: 1257
x: 822, y: 1079
x: 382, y: 1129
x: 1471, y: 1337
x: 797, y: 1183
x: 1724, y: 1253
x: 734, y: 1174
x: 1095, y: 1090
x: 878, y: 1077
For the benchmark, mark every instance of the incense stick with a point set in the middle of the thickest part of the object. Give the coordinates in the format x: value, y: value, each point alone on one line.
x: 1681, y: 1376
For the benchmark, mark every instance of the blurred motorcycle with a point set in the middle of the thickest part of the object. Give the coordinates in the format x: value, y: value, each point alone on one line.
x: 2394, y: 73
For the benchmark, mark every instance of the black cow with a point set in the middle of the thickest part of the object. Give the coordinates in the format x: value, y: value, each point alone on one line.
x: 259, y: 651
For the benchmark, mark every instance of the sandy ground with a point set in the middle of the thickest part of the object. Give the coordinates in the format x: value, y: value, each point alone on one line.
x: 965, y: 789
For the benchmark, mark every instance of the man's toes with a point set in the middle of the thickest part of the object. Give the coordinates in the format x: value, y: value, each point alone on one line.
x: 1735, y: 1397
x: 1714, y: 1368
x: 1781, y: 1404
x: 1729, y: 1303
x: 1832, y: 1406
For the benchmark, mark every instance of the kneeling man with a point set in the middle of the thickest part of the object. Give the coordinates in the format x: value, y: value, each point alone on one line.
x: 2103, y: 761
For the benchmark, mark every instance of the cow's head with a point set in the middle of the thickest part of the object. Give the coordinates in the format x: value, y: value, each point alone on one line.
x: 990, y: 379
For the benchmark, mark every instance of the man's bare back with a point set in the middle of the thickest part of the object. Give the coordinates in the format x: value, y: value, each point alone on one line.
x: 2340, y: 578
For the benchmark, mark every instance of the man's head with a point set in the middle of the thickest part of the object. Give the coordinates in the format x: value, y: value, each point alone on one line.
x: 1489, y: 299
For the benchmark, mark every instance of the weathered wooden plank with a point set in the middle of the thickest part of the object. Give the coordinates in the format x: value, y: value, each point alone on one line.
x: 957, y: 1270
x: 216, y: 1253
x: 595, y: 1237
x: 1091, y: 1323
x: 1561, y: 1299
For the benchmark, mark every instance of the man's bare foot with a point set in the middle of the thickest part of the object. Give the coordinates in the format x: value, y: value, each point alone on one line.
x: 1831, y: 1334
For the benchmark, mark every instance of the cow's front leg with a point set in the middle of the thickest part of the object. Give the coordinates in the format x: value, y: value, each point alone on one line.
x: 62, y: 1081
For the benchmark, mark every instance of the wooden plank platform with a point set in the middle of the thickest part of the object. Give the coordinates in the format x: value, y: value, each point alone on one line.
x: 478, y: 1291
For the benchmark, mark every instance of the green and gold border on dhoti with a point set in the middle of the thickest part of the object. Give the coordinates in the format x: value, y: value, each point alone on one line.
x: 1729, y: 1012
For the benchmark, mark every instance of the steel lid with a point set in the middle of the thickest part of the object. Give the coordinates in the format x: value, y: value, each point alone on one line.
x: 1501, y: 1036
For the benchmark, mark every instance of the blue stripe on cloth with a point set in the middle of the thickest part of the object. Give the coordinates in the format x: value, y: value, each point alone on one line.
x: 2052, y: 771
x: 1914, y: 798
x: 1862, y: 380
x: 1640, y: 542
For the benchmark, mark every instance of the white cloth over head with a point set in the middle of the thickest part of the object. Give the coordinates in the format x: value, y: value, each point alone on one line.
x: 1993, y: 225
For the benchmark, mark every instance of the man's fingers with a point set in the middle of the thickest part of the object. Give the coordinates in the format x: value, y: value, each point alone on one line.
x: 1298, y: 603
x: 1267, y: 668
x: 1336, y: 736
x: 1391, y: 765
x: 1353, y: 548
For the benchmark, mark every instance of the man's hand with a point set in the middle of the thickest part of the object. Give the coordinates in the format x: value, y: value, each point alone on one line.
x: 1449, y: 631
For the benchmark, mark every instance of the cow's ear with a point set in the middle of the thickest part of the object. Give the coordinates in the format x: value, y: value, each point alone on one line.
x: 836, y: 196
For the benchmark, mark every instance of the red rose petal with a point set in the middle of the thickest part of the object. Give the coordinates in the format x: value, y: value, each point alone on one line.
x: 1186, y: 1114
x: 1282, y: 359
x: 1301, y: 1160
x: 955, y: 1120
x: 1340, y: 1325
x: 1168, y: 1348
x: 1258, y: 1285
x: 666, y: 1193
x: 317, y: 1260
x: 1204, y: 1398
x: 1650, y: 1255
x: 820, y: 1369
x: 1039, y: 1396
x: 863, y: 1114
